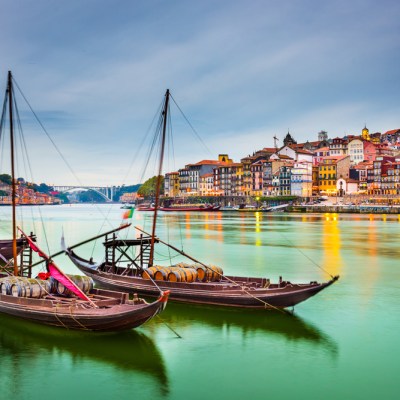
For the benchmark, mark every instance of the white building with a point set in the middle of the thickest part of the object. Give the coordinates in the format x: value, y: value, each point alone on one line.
x: 301, y: 179
x: 355, y: 149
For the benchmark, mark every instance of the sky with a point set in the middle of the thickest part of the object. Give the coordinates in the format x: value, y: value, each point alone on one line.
x: 95, y: 73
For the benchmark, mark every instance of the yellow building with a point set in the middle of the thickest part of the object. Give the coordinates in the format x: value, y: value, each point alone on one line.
x: 365, y: 133
x: 330, y: 170
x: 327, y: 176
x: 237, y: 179
x: 171, y: 184
x: 224, y: 158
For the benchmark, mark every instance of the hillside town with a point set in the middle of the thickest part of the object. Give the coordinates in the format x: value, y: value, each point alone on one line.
x: 368, y: 164
x: 26, y: 196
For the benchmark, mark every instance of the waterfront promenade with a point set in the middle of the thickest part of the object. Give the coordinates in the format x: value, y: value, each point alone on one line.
x: 352, y: 204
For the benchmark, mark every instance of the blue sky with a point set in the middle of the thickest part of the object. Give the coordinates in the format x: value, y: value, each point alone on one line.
x: 95, y: 72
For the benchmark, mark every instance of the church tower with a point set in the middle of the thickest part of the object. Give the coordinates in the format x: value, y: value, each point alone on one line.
x: 323, y: 135
x: 289, y: 140
x: 365, y: 133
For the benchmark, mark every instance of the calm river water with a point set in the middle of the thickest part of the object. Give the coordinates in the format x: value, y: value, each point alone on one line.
x: 341, y: 344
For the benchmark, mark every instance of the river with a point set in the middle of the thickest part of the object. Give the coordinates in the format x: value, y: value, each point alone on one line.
x: 340, y: 344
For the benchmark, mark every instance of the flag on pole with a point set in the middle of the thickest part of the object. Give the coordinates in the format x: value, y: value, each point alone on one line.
x: 127, y: 214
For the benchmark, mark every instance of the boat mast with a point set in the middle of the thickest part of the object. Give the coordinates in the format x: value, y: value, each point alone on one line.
x: 13, y: 185
x: 158, y: 185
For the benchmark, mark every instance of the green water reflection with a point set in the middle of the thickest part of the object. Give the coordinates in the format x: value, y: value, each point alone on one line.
x: 340, y: 344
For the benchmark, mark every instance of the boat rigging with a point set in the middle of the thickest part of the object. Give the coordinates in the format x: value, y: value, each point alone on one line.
x: 54, y: 298
x: 195, y: 283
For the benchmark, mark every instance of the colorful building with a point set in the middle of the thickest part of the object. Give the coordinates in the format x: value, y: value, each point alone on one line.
x: 330, y: 170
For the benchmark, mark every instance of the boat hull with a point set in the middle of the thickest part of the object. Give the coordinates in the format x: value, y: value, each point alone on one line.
x: 222, y: 293
x: 112, y: 317
x: 190, y: 209
x: 181, y: 209
x: 6, y: 248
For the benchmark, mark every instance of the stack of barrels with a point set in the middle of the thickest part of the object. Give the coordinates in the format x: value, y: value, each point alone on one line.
x: 84, y: 283
x: 19, y: 286
x: 183, y: 272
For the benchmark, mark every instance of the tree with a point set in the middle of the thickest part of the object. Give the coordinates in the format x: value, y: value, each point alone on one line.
x: 148, y: 189
x: 90, y: 196
x: 5, y: 178
x: 42, y: 188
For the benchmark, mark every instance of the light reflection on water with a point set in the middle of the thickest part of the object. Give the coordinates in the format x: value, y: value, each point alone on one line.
x: 332, y: 337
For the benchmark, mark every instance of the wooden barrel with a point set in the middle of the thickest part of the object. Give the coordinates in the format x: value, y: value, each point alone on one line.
x: 53, y: 285
x: 37, y: 290
x: 47, y: 286
x: 17, y: 290
x: 162, y: 274
x: 211, y: 273
x: 148, y: 273
x: 7, y: 283
x: 151, y: 272
x: 215, y: 273
x: 190, y: 274
x: 26, y: 287
x: 5, y: 288
x: 62, y: 290
x: 176, y: 275
x: 84, y: 283
x: 201, y: 273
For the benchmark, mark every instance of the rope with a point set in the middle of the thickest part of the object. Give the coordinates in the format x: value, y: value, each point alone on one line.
x: 83, y: 326
x: 59, y: 320
x: 266, y: 305
x: 191, y: 126
x: 306, y: 256
x: 155, y: 284
x: 228, y: 279
x: 70, y: 312
x: 169, y: 327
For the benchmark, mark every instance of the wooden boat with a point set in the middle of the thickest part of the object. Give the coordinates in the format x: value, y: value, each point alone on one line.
x: 109, y: 311
x: 128, y: 206
x: 144, y: 208
x: 6, y: 248
x: 182, y: 208
x: 190, y: 207
x: 120, y: 271
x: 70, y: 306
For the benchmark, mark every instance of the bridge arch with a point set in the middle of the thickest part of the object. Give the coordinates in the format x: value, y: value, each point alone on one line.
x: 86, y: 189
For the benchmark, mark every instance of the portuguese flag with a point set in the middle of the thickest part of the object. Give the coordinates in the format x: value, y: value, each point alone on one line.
x: 127, y: 214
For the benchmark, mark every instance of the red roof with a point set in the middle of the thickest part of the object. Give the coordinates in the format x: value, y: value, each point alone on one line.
x: 392, y: 131
x: 321, y: 149
x: 304, y: 151
x: 208, y: 162
x: 284, y: 156
x: 363, y: 165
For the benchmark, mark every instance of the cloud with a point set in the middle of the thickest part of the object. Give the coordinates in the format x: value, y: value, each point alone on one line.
x: 95, y: 73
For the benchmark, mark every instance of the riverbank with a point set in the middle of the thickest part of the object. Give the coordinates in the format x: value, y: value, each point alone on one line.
x: 349, y: 209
